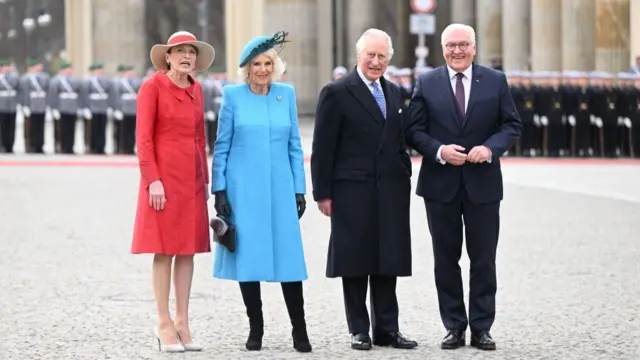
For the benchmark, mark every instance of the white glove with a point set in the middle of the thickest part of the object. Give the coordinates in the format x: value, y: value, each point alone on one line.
x: 592, y: 119
x: 620, y: 120
x: 118, y: 115
x: 599, y: 122
x: 26, y: 111
x: 536, y: 120
x: 572, y: 120
x: 211, y: 116
x: 564, y: 119
x: 56, y: 114
x: 87, y: 113
x: 544, y: 120
x: 627, y: 122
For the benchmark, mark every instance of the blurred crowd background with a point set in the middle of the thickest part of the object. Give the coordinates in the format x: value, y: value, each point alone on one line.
x: 554, y: 45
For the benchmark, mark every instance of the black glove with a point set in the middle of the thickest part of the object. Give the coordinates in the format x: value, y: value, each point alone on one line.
x: 301, y: 204
x: 222, y: 204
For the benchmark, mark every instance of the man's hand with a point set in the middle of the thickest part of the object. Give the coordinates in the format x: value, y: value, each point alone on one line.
x: 452, y: 154
x: 479, y: 154
x: 324, y: 206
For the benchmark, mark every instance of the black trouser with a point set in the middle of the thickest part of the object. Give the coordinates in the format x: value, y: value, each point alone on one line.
x: 98, y: 124
x: 7, y: 131
x: 126, y: 130
x: 34, y: 133
x: 610, y: 134
x: 383, y: 303
x: 635, y: 135
x: 293, y: 297
x: 528, y: 137
x: 67, y: 124
x: 481, y: 227
x: 556, y: 135
x: 211, y: 134
x: 582, y: 132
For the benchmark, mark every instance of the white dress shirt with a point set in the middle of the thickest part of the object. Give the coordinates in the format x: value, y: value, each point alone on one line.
x: 466, y: 83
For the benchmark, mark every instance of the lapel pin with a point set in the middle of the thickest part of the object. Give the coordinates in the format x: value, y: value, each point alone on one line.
x: 279, y: 98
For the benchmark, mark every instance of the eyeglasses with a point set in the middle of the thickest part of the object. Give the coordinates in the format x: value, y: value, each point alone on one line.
x: 462, y: 46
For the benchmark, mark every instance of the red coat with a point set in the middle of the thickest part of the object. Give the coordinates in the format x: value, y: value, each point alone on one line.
x: 171, y: 147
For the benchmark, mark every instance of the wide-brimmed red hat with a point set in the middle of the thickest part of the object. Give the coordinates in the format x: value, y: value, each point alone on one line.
x: 206, y: 53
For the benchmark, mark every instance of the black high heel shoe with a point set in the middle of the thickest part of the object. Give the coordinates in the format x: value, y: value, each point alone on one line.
x: 301, y: 340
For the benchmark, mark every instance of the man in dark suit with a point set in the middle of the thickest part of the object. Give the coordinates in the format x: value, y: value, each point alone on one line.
x: 462, y: 118
x: 361, y: 176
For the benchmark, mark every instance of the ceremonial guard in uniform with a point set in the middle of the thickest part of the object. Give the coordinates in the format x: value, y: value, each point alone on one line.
x: 575, y: 104
x: 124, y: 112
x: 33, y: 100
x: 610, y: 134
x: 98, y: 98
x: 625, y: 106
x: 117, y: 132
x: 405, y: 83
x: 64, y: 102
x: 9, y: 85
x: 548, y: 102
x: 635, y: 117
x: 212, y: 89
x: 523, y: 97
x: 598, y: 105
x: 338, y: 72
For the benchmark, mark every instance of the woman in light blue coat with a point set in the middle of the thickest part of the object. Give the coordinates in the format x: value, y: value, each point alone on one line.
x: 258, y: 182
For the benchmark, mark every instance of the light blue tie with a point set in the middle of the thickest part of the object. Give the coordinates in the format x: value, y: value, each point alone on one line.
x: 377, y: 94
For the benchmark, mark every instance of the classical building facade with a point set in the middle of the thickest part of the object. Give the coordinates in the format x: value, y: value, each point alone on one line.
x: 541, y: 35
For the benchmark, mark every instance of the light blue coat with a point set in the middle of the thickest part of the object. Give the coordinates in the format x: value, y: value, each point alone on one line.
x: 258, y: 160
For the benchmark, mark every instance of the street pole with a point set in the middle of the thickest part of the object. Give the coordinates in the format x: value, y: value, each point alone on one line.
x: 203, y: 20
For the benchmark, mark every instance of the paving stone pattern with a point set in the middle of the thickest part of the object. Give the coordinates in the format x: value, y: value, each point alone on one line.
x: 568, y: 268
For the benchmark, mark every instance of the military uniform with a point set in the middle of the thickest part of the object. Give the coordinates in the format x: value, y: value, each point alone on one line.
x: 65, y: 104
x: 212, y: 91
x: 575, y: 104
x: 610, y: 132
x: 635, y: 116
x: 98, y: 97
x: 9, y: 87
x: 548, y: 102
x: 33, y: 100
x: 124, y: 113
x: 523, y: 97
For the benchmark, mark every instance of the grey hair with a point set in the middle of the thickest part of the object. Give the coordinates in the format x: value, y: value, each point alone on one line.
x: 453, y: 27
x: 278, y: 67
x: 377, y: 33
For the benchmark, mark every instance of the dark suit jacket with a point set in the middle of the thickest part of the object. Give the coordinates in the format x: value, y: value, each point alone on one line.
x: 359, y: 161
x: 491, y: 119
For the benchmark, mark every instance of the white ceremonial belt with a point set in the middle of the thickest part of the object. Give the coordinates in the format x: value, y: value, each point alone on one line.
x: 7, y: 93
x: 37, y: 94
x: 96, y: 96
x: 129, y: 96
x: 67, y: 95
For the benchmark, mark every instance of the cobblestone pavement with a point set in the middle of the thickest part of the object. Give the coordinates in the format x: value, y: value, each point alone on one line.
x: 568, y: 268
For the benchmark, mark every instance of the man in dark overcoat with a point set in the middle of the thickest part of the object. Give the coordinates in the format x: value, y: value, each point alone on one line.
x: 361, y: 176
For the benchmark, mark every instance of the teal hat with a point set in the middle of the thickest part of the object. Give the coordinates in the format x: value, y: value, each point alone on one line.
x: 121, y: 68
x: 32, y: 62
x: 260, y: 44
x: 65, y: 65
x: 5, y: 62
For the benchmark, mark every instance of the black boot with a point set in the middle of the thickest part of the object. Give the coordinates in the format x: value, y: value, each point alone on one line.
x: 253, y: 303
x: 294, y: 299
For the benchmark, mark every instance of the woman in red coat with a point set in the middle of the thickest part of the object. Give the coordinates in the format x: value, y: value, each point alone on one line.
x: 172, y: 216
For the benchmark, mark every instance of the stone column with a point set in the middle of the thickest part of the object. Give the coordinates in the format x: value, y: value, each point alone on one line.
x: 121, y: 38
x: 612, y: 35
x: 546, y: 35
x: 299, y: 18
x: 463, y: 12
x: 634, y: 21
x: 324, y: 42
x: 360, y: 17
x: 243, y: 21
x: 578, y: 34
x: 79, y: 35
x: 515, y: 34
x: 489, y: 31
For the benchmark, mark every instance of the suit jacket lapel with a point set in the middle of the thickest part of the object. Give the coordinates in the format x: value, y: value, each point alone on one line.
x: 361, y: 92
x: 449, y: 96
x: 476, y: 88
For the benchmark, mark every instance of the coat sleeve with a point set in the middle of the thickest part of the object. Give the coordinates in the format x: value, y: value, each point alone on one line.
x: 325, y: 141
x: 223, y: 143
x: 146, y: 110
x: 296, y: 154
x: 202, y: 142
x: 416, y: 127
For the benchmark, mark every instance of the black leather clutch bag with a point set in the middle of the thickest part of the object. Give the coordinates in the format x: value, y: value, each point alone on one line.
x: 224, y: 233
